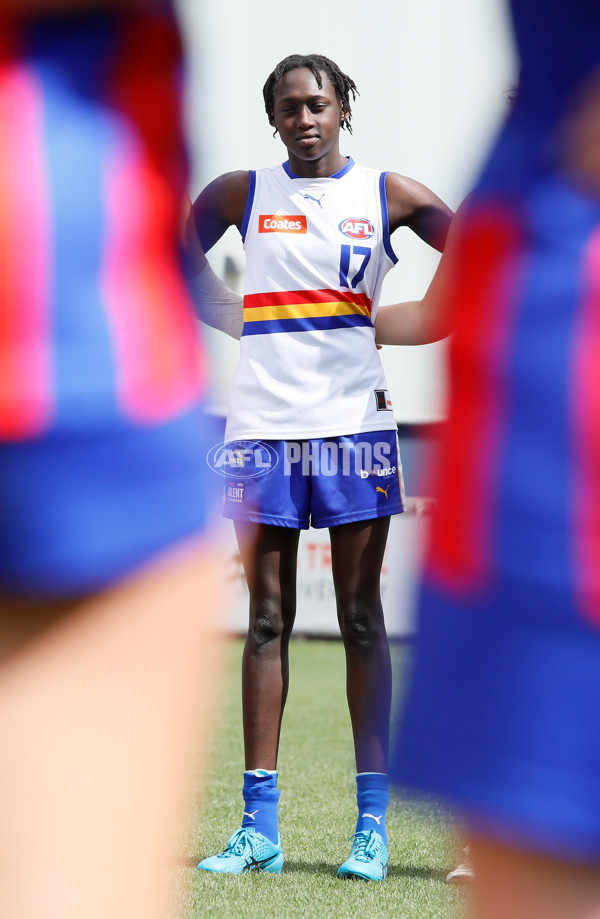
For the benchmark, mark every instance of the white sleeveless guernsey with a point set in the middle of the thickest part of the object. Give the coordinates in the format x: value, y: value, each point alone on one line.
x: 317, y: 253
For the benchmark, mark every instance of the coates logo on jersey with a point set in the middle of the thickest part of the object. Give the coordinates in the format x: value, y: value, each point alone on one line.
x: 356, y: 228
x: 282, y: 223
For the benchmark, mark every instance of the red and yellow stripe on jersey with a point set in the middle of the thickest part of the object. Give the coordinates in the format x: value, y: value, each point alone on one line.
x: 304, y: 311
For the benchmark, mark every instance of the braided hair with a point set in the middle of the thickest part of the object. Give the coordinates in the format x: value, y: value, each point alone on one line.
x: 318, y: 64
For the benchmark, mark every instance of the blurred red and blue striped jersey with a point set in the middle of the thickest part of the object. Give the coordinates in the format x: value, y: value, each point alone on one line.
x: 94, y: 315
x: 522, y: 450
x: 502, y: 717
x: 102, y: 433
x: 523, y: 453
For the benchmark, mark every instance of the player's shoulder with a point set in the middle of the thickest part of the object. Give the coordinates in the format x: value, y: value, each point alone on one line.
x: 221, y: 204
x: 402, y: 185
x: 409, y: 195
x: 240, y: 179
x: 236, y: 181
x: 228, y: 186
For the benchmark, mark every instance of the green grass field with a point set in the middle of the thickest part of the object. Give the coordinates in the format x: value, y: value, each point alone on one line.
x: 316, y: 816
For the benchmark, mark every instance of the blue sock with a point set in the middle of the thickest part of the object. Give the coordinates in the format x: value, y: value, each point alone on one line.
x: 372, y: 799
x: 261, y: 797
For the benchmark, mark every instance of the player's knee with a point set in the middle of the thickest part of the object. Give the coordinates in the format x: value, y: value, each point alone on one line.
x: 360, y: 627
x: 268, y: 622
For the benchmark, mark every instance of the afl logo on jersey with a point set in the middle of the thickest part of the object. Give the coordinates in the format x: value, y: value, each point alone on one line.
x: 357, y: 228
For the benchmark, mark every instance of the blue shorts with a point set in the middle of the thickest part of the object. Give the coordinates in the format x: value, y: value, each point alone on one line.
x: 323, y: 481
x: 79, y: 510
x: 503, y: 712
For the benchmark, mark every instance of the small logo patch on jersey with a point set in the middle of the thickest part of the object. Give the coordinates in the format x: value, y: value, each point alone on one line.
x: 282, y: 223
x: 382, y: 400
x: 316, y: 200
x: 235, y: 492
x: 382, y: 471
x: 357, y: 228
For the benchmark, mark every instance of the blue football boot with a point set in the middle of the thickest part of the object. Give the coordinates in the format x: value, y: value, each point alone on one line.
x: 246, y: 850
x: 368, y: 858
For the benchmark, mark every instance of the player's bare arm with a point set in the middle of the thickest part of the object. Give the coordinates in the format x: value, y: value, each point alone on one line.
x: 411, y: 204
x: 415, y: 322
x: 221, y: 205
x: 419, y: 322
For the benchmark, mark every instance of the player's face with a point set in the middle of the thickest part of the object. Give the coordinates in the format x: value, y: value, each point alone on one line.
x: 308, y: 120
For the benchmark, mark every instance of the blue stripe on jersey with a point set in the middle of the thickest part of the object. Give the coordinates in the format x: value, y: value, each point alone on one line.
x: 342, y: 172
x: 385, y: 217
x: 305, y: 324
x: 336, y: 175
x: 249, y: 203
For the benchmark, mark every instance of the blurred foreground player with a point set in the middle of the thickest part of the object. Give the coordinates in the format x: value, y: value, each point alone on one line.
x: 105, y: 577
x: 510, y: 608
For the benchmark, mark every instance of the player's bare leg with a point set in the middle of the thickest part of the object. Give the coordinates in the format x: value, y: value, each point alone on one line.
x: 357, y: 551
x: 101, y: 709
x: 270, y: 556
x: 526, y: 885
x: 356, y: 556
